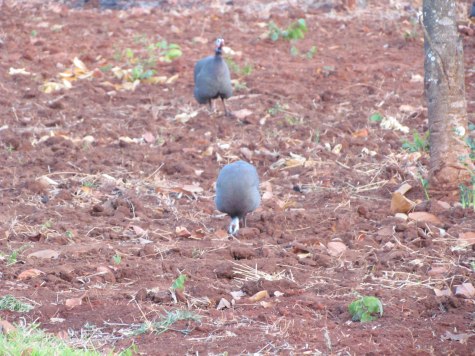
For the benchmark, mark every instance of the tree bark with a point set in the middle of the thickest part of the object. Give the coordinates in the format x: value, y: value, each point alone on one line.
x: 444, y: 83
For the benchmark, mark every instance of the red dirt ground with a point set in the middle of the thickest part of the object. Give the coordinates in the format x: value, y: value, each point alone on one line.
x: 129, y: 171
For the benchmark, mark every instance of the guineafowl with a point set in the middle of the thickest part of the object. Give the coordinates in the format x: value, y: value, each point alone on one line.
x: 212, y: 78
x: 237, y: 192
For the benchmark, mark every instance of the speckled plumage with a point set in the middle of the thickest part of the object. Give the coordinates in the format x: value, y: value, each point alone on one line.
x: 212, y: 78
x: 237, y: 192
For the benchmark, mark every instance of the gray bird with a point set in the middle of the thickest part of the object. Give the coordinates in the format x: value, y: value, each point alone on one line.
x: 237, y: 192
x: 212, y: 78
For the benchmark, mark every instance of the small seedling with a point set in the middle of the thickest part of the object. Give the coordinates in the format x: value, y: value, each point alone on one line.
x: 311, y: 52
x: 9, y: 302
x: 376, y: 117
x: 295, y: 31
x: 472, y: 266
x: 425, y: 186
x: 47, y: 224
x: 165, y: 322
x: 13, y: 257
x: 34, y: 33
x: 243, y: 71
x: 9, y: 148
x: 179, y: 283
x: 316, y: 136
x: 467, y: 195
x: 139, y: 73
x: 88, y: 184
x: 366, y: 309
x: 69, y: 234
x: 419, y: 143
x: 277, y: 108
x: 117, y: 259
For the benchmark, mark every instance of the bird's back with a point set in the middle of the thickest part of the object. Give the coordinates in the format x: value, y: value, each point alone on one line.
x: 237, y: 189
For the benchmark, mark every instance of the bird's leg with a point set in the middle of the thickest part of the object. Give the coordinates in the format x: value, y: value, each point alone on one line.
x: 226, y: 112
x: 244, y: 221
x: 234, y: 226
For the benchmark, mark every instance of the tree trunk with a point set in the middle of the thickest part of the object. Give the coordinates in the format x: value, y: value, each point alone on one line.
x: 444, y: 83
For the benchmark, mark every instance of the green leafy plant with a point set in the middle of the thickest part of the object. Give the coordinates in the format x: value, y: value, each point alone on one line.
x: 467, y: 194
x: 13, y: 257
x: 139, y: 73
x: 31, y: 340
x: 244, y: 70
x: 311, y: 52
x: 425, y: 186
x: 9, y: 148
x: 277, y: 108
x: 117, y: 259
x: 376, y: 117
x: 88, y: 184
x: 166, y: 321
x: 179, y: 283
x: 419, y: 143
x: 9, y: 302
x: 295, y: 31
x: 366, y: 309
x: 69, y: 234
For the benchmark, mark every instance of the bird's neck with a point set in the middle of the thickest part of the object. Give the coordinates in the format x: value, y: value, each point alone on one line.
x: 218, y: 51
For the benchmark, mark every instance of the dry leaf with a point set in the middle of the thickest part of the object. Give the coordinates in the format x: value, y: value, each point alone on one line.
x: 46, y: 254
x: 422, y: 216
x: 148, y: 137
x: 172, y: 79
x: 360, y: 133
x: 18, y: 71
x: 221, y: 234
x: 266, y: 304
x: 6, y: 327
x: 336, y: 248
x: 442, y: 292
x: 462, y: 338
x: 73, y: 302
x: 237, y: 294
x: 467, y: 238
x: 267, y: 195
x: 403, y: 189
x: 191, y: 189
x: 465, y: 290
x: 29, y: 273
x: 437, y: 271
x: 241, y: 114
x: 139, y: 231
x: 259, y: 295
x: 223, y: 303
x: 400, y: 204
x: 182, y: 231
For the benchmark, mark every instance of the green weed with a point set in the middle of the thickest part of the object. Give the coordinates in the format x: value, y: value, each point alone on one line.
x: 295, y: 31
x: 419, y: 143
x: 117, y: 259
x: 366, y: 309
x: 9, y: 302
x: 166, y: 321
x: 467, y: 194
x: 376, y: 117
x: 179, y: 283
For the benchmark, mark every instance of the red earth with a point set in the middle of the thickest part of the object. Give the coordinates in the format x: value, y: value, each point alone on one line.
x: 115, y: 181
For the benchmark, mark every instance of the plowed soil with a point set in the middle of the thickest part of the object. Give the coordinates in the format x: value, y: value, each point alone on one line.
x: 119, y: 184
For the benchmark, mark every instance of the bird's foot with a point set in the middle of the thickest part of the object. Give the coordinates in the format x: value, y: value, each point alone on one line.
x: 234, y: 226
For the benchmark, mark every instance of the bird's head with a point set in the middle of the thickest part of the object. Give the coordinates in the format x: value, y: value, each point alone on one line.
x: 219, y: 46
